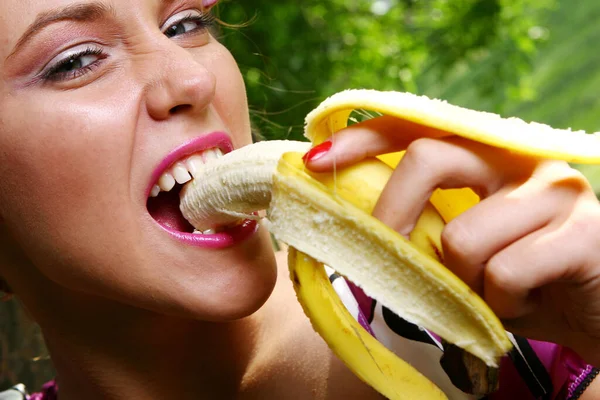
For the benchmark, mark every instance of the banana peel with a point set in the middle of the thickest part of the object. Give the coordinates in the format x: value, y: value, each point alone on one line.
x: 443, y: 119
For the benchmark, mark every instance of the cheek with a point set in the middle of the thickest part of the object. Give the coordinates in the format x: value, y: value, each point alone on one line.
x: 65, y: 159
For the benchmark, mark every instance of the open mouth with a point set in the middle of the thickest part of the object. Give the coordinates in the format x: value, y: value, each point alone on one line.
x: 163, y: 200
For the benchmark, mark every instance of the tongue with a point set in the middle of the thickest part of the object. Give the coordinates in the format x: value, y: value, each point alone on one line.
x: 165, y: 210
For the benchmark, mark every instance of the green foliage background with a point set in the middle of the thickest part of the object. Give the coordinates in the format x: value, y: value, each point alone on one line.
x: 534, y: 59
x: 293, y: 56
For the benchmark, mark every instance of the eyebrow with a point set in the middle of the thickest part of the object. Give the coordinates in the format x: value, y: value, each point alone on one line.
x: 84, y: 12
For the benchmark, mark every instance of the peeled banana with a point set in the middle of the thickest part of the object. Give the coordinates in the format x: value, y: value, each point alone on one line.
x: 326, y: 217
x: 234, y: 186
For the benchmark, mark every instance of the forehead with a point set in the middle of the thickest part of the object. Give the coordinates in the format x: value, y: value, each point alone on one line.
x: 17, y: 15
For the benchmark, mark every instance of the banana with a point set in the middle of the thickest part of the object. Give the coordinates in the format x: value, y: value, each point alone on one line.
x: 248, y: 174
x: 360, y: 185
x: 325, y: 217
x: 234, y: 186
x: 319, y: 221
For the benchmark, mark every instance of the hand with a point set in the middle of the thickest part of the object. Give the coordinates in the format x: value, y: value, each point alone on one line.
x: 530, y: 248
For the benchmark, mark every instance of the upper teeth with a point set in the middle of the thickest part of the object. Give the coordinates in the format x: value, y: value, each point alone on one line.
x: 183, y: 170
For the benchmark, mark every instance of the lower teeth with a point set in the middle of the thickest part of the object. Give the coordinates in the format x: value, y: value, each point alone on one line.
x: 218, y: 229
x: 206, y: 232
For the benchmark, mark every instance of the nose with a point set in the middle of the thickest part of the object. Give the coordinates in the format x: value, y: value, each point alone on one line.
x: 180, y: 84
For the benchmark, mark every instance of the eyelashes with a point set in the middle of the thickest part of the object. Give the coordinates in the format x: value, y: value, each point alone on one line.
x: 191, y: 23
x: 79, y: 63
x: 75, y: 65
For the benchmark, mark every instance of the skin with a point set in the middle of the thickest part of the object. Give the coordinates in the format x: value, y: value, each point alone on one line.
x: 83, y: 255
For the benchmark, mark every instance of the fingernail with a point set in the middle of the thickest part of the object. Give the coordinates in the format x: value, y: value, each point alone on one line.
x: 317, y: 152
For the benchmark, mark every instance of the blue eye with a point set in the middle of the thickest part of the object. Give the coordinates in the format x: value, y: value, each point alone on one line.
x: 189, y: 24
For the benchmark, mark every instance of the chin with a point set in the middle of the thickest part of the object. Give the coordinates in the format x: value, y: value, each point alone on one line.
x: 244, y: 300
x: 238, y: 285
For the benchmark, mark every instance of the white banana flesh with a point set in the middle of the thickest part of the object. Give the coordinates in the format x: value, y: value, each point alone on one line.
x: 234, y: 186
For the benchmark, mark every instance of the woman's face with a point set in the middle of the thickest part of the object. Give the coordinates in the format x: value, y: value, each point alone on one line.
x: 97, y: 99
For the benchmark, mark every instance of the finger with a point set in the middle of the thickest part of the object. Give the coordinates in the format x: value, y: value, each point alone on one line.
x: 557, y: 253
x: 515, y: 211
x: 368, y: 139
x: 474, y: 237
x: 441, y: 163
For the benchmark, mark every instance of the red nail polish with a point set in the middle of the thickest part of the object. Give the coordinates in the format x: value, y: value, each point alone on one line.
x: 317, y: 152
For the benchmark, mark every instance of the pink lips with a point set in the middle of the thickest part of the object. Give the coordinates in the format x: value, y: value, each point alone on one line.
x: 227, y: 238
x: 230, y: 236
